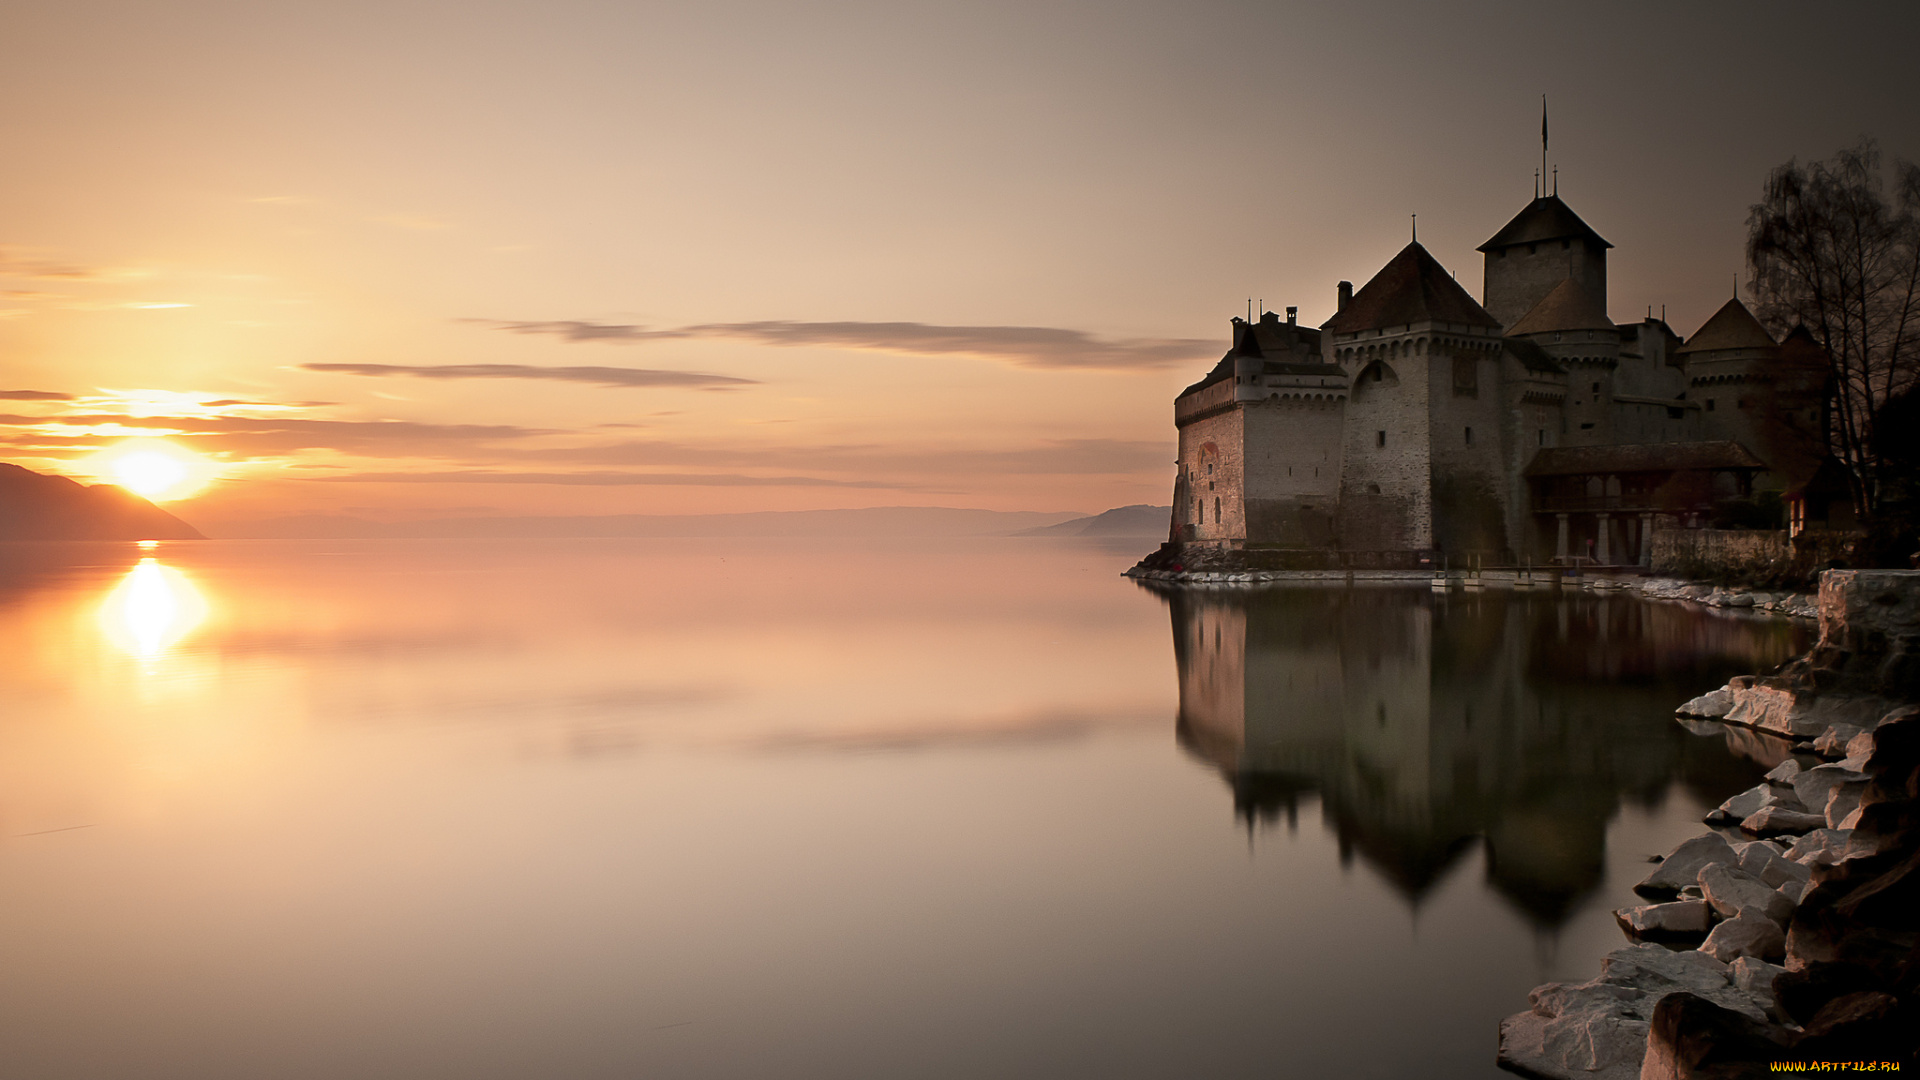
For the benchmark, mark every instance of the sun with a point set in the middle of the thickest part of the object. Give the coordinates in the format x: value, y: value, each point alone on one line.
x: 153, y: 469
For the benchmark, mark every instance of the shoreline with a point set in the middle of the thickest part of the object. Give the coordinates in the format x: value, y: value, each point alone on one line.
x: 1789, y: 929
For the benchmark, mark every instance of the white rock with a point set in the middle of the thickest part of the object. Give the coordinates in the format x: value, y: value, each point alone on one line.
x: 1754, y: 976
x: 1746, y: 935
x: 1843, y: 801
x: 1785, y: 771
x: 1711, y: 705
x: 1763, y: 859
x: 1833, y: 741
x: 1733, y: 893
x: 1774, y: 820
x: 1743, y: 805
x: 1813, y: 786
x: 1678, y: 918
x: 1683, y: 864
x: 1821, y: 847
x: 1859, y: 749
x: 1590, y: 1031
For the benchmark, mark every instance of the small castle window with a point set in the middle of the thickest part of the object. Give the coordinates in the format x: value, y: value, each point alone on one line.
x: 1709, y: 404
x: 1216, y: 510
x: 1200, y: 510
x: 1379, y: 438
x: 1586, y: 427
x: 1596, y: 388
x: 1373, y: 489
x: 1565, y: 244
x: 1543, y: 436
x: 1209, y: 468
x: 1469, y: 436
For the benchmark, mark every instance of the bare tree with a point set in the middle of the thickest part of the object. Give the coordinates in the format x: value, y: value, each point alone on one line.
x: 1829, y: 251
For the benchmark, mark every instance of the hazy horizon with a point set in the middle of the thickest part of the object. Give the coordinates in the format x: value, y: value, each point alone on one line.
x: 421, y: 260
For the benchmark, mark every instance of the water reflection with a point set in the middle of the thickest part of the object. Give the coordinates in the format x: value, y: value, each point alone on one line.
x: 152, y: 608
x: 1427, y: 725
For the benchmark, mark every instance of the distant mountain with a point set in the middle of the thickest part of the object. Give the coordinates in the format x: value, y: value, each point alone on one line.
x: 927, y: 521
x: 39, y: 506
x: 1136, y: 520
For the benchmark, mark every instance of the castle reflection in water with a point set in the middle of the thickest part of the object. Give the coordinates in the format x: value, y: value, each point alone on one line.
x: 1426, y: 724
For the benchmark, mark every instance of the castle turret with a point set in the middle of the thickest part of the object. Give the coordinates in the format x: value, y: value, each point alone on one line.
x: 1543, y: 245
x: 1421, y: 464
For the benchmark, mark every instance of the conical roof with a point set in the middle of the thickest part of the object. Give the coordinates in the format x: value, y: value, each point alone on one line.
x: 1732, y: 327
x: 1413, y: 287
x: 1570, y: 306
x: 1545, y: 218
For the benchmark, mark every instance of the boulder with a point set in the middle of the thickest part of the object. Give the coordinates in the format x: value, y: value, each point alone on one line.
x: 1784, y: 772
x: 1749, y: 934
x: 1832, y: 743
x: 1691, y: 1038
x: 1733, y: 892
x: 1681, y: 919
x: 1862, y: 1026
x: 1711, y: 705
x: 1764, y: 859
x: 1821, y: 847
x: 1586, y: 1031
x: 1774, y: 820
x: 1741, y: 806
x: 1842, y: 801
x: 1813, y: 786
x: 1683, y: 864
x: 1754, y: 976
x: 1859, y: 749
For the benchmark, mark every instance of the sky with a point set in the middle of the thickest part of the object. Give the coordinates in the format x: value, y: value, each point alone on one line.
x: 406, y: 259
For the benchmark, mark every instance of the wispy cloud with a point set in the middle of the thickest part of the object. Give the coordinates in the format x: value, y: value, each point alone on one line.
x: 33, y: 395
x: 596, y: 376
x: 18, y: 262
x: 605, y: 479
x: 1043, y: 347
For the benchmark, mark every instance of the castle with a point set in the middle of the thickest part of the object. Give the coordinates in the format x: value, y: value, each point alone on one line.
x: 1418, y: 423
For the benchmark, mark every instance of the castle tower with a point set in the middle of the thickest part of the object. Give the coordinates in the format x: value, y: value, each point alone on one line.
x: 1570, y: 326
x: 1260, y: 442
x: 1421, y: 464
x: 1543, y: 245
x: 1719, y: 359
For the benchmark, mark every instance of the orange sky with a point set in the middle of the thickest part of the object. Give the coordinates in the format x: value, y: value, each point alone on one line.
x: 415, y: 259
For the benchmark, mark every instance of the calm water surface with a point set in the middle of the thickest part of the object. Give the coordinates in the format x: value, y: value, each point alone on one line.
x: 752, y: 808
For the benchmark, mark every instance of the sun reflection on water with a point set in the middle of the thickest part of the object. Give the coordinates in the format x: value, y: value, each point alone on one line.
x: 151, y: 609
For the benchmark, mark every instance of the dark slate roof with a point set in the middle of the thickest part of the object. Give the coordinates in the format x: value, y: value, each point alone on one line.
x: 1413, y: 287
x: 1732, y: 327
x: 1570, y: 306
x: 1533, y: 357
x: 1268, y: 337
x: 1544, y: 219
x: 1640, y: 458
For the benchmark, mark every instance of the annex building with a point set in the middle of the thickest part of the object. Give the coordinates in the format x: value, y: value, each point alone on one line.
x: 1418, y: 422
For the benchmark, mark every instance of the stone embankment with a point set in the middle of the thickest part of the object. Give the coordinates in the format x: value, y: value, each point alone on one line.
x: 1790, y: 932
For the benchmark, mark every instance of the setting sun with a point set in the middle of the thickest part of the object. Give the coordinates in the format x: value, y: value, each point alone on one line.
x: 154, y: 469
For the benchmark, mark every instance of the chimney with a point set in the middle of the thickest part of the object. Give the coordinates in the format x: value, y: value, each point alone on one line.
x: 1346, y: 296
x: 1293, y: 315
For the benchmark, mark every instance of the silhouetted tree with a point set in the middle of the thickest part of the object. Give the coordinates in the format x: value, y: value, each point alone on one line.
x: 1828, y: 250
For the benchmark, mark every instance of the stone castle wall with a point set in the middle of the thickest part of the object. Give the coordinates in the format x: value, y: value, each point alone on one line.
x: 1386, y: 479
x: 1292, y: 466
x: 1212, y: 462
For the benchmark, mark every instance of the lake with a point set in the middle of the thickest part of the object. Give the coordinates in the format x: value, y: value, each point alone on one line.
x: 813, y: 808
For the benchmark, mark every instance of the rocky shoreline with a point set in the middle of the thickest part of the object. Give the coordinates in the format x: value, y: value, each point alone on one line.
x: 1790, y: 931
x: 1793, y: 604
